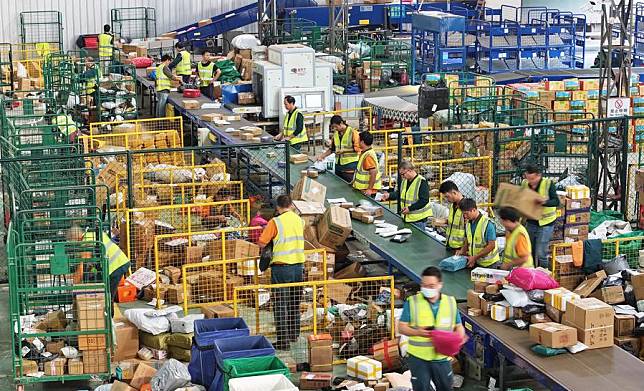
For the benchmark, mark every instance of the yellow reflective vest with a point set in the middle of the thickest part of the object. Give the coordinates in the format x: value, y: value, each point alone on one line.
x: 115, y: 257
x: 477, y: 242
x: 290, y: 122
x: 163, y: 82
x: 510, y: 250
x: 205, y: 73
x: 409, y: 196
x: 455, y: 228
x: 184, y: 67
x: 66, y: 124
x: 422, y: 316
x: 288, y: 245
x: 105, y: 47
x: 549, y: 212
x: 345, y: 144
x: 361, y: 176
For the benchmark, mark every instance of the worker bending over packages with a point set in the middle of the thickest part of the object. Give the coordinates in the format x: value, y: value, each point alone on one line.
x: 480, y: 237
x: 293, y: 129
x: 413, y: 194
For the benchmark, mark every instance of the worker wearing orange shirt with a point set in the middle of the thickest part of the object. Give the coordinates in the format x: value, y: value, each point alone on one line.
x: 518, y: 249
x: 367, y: 177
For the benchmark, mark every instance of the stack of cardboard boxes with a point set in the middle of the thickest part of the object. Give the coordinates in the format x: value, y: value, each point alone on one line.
x: 369, y: 76
x: 320, y: 352
x: 577, y: 215
x: 90, y: 314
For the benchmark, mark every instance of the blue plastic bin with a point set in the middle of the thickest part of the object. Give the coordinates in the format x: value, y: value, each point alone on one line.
x: 229, y: 92
x: 238, y: 347
x: 202, y: 365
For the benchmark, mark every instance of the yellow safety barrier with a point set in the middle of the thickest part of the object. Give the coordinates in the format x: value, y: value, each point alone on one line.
x: 211, y: 283
x: 141, y: 225
x: 570, y: 276
x: 137, y: 125
x: 290, y: 311
x: 29, y: 59
x: 157, y: 139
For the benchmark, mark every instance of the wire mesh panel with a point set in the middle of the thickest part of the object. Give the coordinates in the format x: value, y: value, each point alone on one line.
x: 134, y: 23
x: 42, y: 27
x: 117, y: 93
x: 356, y: 312
x: 6, y: 67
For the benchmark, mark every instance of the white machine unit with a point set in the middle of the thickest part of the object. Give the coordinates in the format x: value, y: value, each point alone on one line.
x: 292, y: 67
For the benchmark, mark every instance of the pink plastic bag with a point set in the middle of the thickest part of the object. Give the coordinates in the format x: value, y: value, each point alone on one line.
x: 142, y: 62
x: 529, y: 279
x: 257, y: 221
x: 447, y: 343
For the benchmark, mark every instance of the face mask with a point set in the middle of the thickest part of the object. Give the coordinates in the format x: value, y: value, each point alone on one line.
x: 429, y: 293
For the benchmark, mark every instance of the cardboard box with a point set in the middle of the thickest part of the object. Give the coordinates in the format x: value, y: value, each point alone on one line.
x: 577, y: 218
x: 298, y: 158
x: 309, y: 211
x: 554, y: 313
x: 559, y: 298
x: 90, y: 311
x: 610, y: 295
x: 246, y: 98
x: 577, y: 192
x: 246, y: 73
x: 486, y: 307
x: 473, y: 299
x: 142, y: 375
x: 582, y: 203
x: 480, y: 286
x: 334, y: 226
x: 492, y: 289
x: 589, y: 313
x: 591, y: 283
x: 204, y: 22
x: 553, y: 335
x: 55, y: 367
x: 630, y: 344
x: 596, y: 338
x: 191, y: 104
x: 318, y: 340
x: 120, y: 386
x: 245, y: 53
x: 391, y: 359
x: 175, y: 295
x: 210, y: 117
x: 364, y: 368
x: 127, y: 340
x: 28, y: 367
x: 638, y: 285
x: 55, y: 346
x: 174, y: 273
x: 92, y: 342
x: 576, y: 231
x: 75, y: 366
x: 95, y: 361
x: 314, y: 380
x: 218, y: 311
x: 624, y: 325
x: 354, y: 270
x: 540, y: 318
x: 501, y: 313
x: 523, y: 200
x: 309, y: 190
x: 339, y: 293
x: 321, y: 355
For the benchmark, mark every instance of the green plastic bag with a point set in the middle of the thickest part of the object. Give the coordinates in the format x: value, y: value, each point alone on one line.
x: 597, y: 218
x: 253, y: 366
x: 546, y: 351
x: 229, y: 73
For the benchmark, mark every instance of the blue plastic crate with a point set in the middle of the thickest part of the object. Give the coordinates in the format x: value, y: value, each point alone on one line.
x: 238, y: 347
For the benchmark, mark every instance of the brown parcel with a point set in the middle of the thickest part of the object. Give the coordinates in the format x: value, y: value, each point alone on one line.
x: 92, y: 342
x: 127, y: 341
x: 610, y: 294
x: 218, y: 311
x: 553, y: 335
x: 523, y: 200
x: 624, y: 325
x: 56, y: 367
x: 591, y: 283
x: 75, y: 366
x: 120, y: 386
x: 589, y: 313
x: 321, y: 355
x: 90, y: 311
x: 190, y: 104
x: 354, y: 270
x: 334, y: 226
x: 314, y: 381
x: 142, y: 375
x: 473, y: 299
x: 630, y: 344
x: 600, y: 337
x: 307, y: 189
x: 95, y: 361
x: 638, y: 285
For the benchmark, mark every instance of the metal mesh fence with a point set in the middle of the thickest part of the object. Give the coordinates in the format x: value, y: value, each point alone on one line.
x: 356, y: 312
x: 135, y: 22
x: 41, y: 27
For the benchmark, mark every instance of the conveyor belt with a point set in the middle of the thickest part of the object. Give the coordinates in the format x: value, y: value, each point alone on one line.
x: 410, y: 258
x: 598, y: 369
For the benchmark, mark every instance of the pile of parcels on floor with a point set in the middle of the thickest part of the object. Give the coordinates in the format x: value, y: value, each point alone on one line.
x: 601, y: 311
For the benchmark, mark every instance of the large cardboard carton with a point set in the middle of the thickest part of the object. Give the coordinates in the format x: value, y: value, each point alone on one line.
x: 610, y: 294
x: 473, y: 299
x: 218, y: 311
x: 354, y: 270
x: 127, y: 341
x: 589, y: 313
x: 92, y: 342
x: 525, y: 201
x: 307, y: 189
x: 55, y: 367
x: 334, y: 226
x: 638, y: 285
x: 596, y: 338
x: 309, y: 211
x: 95, y: 361
x: 90, y: 311
x: 75, y: 366
x: 624, y: 325
x: 120, y: 386
x: 591, y: 283
x: 553, y: 335
x: 142, y: 375
x: 315, y: 381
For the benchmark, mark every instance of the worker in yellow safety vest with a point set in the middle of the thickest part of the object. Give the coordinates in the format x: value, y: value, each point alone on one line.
x: 423, y: 312
x: 66, y: 125
x: 91, y: 77
x: 293, y: 129
x: 518, y: 250
x: 164, y: 79
x: 182, y: 62
x: 286, y: 233
x: 541, y: 230
x: 367, y: 177
x: 118, y: 262
x: 413, y: 193
x: 455, y: 230
x: 480, y: 237
x: 345, y: 144
x: 208, y: 74
x: 106, y: 46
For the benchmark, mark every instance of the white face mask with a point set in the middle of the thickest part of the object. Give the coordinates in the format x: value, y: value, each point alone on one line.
x: 429, y: 293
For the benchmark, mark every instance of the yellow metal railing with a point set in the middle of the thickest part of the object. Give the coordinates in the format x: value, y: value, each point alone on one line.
x: 157, y: 139
x: 137, y: 125
x: 610, y: 249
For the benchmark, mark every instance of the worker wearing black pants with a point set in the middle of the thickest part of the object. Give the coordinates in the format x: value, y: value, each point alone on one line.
x: 345, y: 143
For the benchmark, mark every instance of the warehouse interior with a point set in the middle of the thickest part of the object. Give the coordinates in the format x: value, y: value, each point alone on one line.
x: 361, y: 195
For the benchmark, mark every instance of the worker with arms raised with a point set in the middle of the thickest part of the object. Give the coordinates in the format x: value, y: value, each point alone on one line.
x: 541, y: 230
x: 455, y: 230
x: 413, y: 193
x: 423, y: 312
x: 518, y: 250
x: 367, y: 177
x: 293, y: 129
x: 286, y: 232
x: 345, y: 144
x: 480, y: 237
